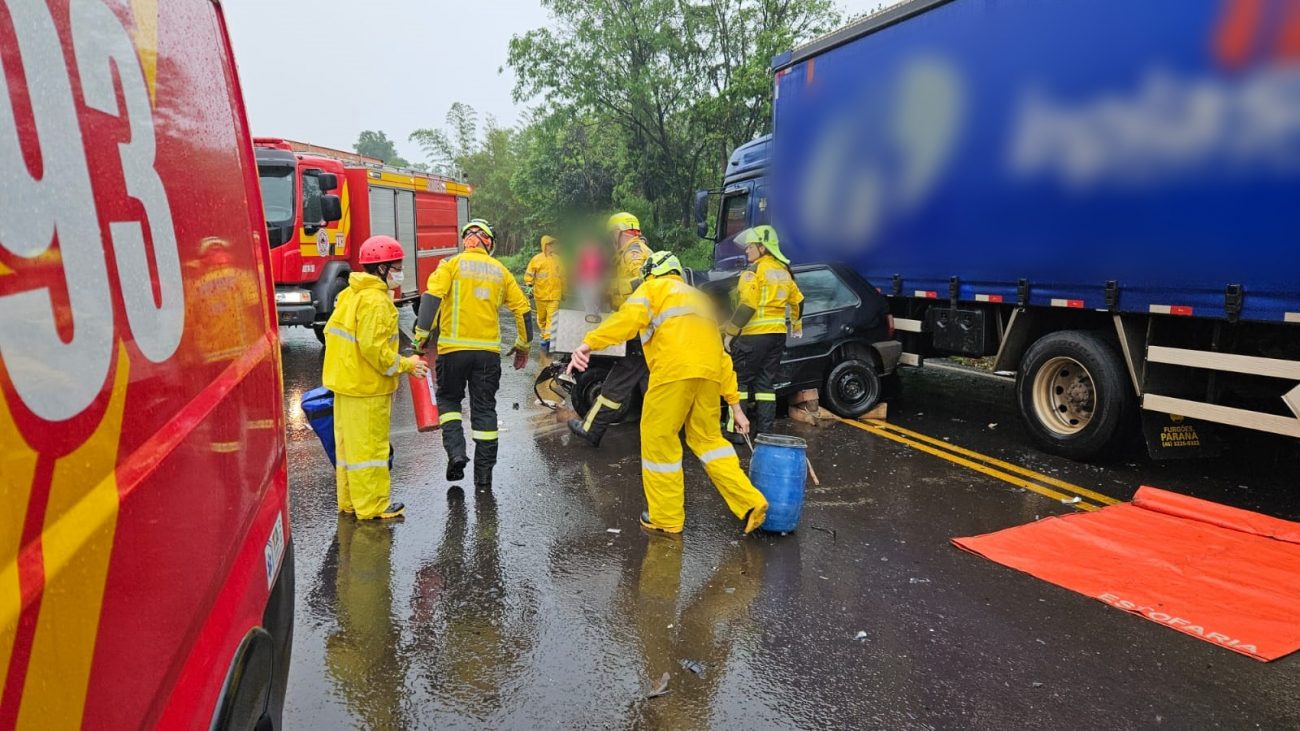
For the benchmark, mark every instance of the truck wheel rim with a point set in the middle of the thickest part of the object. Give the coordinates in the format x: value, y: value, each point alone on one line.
x: 1064, y: 396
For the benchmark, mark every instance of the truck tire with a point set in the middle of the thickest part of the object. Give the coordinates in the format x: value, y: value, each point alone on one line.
x: 1074, y: 394
x: 586, y: 388
x: 852, y: 388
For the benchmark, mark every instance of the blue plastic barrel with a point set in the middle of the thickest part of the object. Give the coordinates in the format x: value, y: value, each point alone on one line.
x: 779, y: 470
x: 318, y: 405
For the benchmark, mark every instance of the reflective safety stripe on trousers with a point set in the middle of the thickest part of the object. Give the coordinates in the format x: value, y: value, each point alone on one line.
x: 364, y: 465
x: 448, y: 417
x: 484, y: 436
x: 764, y: 397
x: 601, y: 401
x: 668, y: 314
x: 649, y: 466
x: 719, y: 453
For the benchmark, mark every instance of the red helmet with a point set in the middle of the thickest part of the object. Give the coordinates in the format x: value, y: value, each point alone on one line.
x: 381, y: 250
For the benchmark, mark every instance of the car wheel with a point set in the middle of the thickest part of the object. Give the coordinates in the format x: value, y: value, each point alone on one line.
x: 852, y: 388
x: 1074, y: 394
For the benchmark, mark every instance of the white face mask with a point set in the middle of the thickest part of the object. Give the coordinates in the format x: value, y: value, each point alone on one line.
x: 395, y: 279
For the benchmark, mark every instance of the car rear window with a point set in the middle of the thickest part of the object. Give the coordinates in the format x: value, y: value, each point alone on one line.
x: 823, y: 290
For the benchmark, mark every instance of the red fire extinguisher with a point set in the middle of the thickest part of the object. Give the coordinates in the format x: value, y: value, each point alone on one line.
x: 424, y: 400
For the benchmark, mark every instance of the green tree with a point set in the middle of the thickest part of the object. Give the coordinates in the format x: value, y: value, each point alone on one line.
x: 373, y: 143
x: 487, y: 160
x: 682, y: 83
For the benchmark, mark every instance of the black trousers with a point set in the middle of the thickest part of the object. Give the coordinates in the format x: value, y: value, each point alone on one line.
x: 629, y: 375
x: 757, y: 359
x: 480, y: 371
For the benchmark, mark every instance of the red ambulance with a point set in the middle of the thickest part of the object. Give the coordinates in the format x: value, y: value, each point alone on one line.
x: 146, y: 566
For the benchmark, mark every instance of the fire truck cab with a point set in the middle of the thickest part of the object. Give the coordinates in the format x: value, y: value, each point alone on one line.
x: 304, y: 230
x: 322, y: 204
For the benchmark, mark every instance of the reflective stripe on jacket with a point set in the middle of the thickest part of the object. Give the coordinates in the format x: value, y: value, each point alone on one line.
x: 361, y: 356
x: 628, y: 263
x: 678, y: 327
x: 545, y: 274
x: 472, y: 287
x: 773, y: 295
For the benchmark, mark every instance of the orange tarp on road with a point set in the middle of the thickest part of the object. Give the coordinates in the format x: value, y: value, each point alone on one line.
x: 1225, y: 575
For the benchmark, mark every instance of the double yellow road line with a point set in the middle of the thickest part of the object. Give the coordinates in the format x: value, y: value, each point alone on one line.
x: 1037, y: 482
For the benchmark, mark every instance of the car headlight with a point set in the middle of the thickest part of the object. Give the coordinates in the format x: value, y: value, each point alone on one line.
x: 294, y: 297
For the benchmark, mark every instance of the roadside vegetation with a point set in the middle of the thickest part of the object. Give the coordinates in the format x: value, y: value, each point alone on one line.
x: 632, y: 106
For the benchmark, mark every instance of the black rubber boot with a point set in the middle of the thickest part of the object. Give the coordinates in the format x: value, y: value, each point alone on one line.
x: 456, y: 468
x: 575, y: 427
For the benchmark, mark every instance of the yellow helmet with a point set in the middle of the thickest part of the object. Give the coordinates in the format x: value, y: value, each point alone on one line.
x: 764, y: 236
x: 547, y: 240
x: 660, y: 263
x: 484, y: 228
x: 479, y: 224
x: 620, y: 222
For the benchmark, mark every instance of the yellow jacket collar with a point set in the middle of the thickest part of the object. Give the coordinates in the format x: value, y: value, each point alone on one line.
x: 365, y: 280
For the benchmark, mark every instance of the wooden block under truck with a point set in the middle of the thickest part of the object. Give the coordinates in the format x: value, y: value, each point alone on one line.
x: 322, y: 204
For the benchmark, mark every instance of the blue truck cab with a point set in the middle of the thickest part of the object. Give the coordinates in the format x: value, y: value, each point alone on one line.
x: 1098, y: 195
x: 744, y: 203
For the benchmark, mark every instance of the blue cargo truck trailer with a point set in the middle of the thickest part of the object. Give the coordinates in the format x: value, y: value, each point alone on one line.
x: 1102, y: 195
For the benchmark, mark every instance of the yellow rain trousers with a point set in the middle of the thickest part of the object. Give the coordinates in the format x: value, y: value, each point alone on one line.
x: 361, y: 453
x: 362, y: 365
x: 692, y: 403
x: 545, y: 312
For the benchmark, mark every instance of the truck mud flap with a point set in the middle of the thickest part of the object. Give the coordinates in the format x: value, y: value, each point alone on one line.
x: 1169, y: 436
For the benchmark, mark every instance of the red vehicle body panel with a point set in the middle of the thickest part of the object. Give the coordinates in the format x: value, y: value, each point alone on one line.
x: 142, y: 455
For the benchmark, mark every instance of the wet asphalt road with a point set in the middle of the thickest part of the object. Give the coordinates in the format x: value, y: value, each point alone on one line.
x: 522, y: 610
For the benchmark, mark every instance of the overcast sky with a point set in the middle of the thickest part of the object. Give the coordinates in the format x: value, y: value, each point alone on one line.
x: 321, y: 71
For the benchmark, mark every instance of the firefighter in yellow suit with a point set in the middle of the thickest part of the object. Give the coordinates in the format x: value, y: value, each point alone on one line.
x: 362, y: 365
x: 629, y: 374
x: 545, y: 277
x: 768, y: 297
x: 464, y: 296
x: 689, y: 371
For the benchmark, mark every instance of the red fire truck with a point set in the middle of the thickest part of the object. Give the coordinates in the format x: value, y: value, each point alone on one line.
x: 315, y: 233
x: 146, y: 566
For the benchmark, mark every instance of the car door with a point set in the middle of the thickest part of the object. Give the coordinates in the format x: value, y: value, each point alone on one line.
x: 828, y: 314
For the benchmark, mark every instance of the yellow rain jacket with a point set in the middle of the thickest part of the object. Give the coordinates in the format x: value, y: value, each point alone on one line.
x: 772, y: 293
x: 627, y: 269
x: 679, y: 334
x: 472, y: 287
x: 545, y: 274
x: 361, y: 357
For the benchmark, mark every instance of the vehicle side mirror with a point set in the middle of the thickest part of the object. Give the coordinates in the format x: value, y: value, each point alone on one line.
x: 702, y: 214
x: 328, y: 182
x: 331, y: 206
